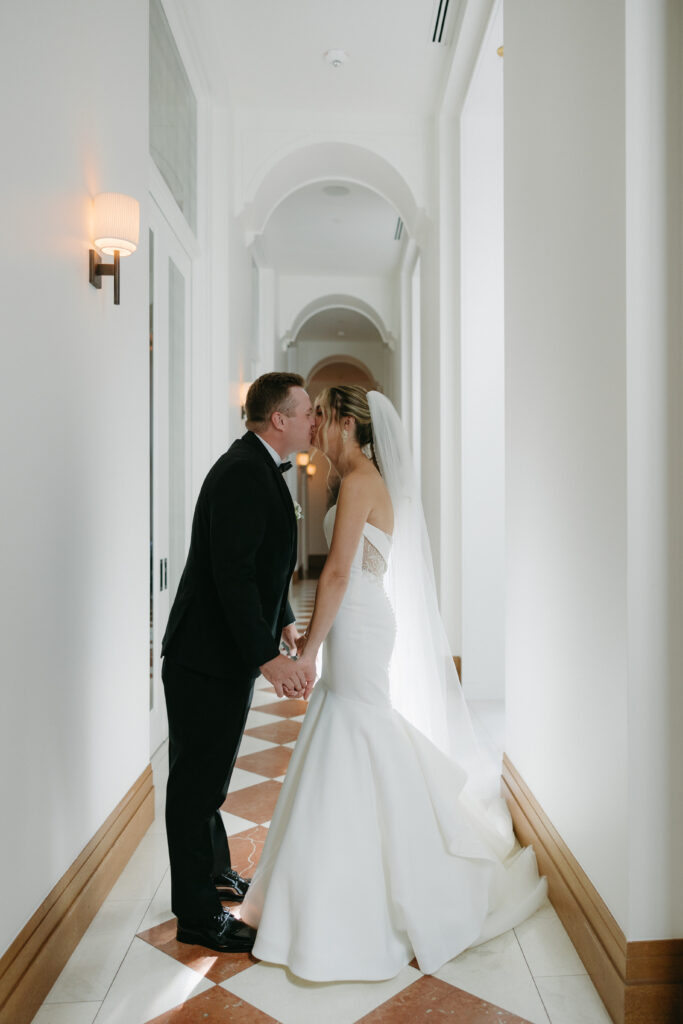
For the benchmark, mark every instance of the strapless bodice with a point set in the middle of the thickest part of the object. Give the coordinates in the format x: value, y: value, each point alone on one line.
x: 372, y: 555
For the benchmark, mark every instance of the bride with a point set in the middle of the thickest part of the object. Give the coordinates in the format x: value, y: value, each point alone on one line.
x: 389, y: 839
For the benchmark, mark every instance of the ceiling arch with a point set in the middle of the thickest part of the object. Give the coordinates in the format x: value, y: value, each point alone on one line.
x: 329, y: 161
x: 330, y: 302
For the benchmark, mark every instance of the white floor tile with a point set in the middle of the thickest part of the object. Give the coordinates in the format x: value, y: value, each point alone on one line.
x: 497, y: 971
x: 546, y: 946
x: 66, y: 1013
x: 290, y: 745
x: 263, y: 697
x: 292, y: 1001
x: 148, y: 983
x: 280, y: 778
x: 234, y: 824
x: 159, y: 910
x: 257, y: 717
x: 141, y: 876
x: 252, y: 745
x: 572, y: 1000
x: 158, y: 826
x: 97, y: 957
x: 241, y: 779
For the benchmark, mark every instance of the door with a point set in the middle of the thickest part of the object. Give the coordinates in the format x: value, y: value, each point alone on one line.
x: 169, y: 449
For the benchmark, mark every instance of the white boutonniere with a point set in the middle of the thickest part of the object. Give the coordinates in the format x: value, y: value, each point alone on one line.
x: 298, y: 511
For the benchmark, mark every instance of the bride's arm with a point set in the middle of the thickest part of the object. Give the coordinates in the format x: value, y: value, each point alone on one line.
x: 353, y: 507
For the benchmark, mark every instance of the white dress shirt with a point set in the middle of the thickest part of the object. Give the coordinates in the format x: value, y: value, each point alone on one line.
x: 276, y: 458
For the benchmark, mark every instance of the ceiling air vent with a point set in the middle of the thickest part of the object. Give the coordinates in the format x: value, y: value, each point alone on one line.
x: 399, y: 230
x: 439, y: 24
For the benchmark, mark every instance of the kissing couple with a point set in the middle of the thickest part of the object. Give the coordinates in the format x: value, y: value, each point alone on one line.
x: 390, y: 839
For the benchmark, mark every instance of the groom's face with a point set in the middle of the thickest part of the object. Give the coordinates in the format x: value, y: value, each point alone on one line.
x: 299, y: 425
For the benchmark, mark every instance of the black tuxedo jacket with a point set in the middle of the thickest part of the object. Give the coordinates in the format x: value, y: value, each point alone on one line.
x: 231, y: 604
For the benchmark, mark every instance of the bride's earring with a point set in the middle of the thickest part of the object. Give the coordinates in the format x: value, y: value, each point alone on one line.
x: 367, y: 450
x: 345, y: 435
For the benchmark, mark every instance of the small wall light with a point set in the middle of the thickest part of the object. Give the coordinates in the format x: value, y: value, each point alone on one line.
x: 302, y: 459
x: 311, y: 469
x: 116, y: 226
x: 244, y: 391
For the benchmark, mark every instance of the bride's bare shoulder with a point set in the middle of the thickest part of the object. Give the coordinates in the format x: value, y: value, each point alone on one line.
x: 365, y: 489
x: 354, y: 485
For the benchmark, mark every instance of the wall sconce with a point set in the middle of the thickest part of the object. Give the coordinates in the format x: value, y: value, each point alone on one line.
x: 244, y: 391
x: 302, y: 459
x: 311, y: 469
x: 116, y: 226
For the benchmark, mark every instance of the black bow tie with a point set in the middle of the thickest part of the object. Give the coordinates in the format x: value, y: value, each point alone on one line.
x: 284, y: 466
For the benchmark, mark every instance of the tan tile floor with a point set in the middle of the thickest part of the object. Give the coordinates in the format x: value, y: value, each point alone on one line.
x: 129, y: 968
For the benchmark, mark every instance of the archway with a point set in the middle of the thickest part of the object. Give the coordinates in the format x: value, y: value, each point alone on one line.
x: 329, y: 161
x: 337, y: 369
x: 328, y: 302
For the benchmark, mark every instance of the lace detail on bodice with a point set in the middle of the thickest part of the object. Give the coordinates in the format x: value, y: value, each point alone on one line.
x: 372, y: 556
x: 373, y: 562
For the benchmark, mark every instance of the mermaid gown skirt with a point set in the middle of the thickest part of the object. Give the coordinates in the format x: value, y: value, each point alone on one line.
x: 375, y: 853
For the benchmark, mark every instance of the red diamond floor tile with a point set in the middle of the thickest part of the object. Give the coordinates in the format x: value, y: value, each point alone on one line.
x: 246, y: 848
x: 284, y: 731
x: 270, y: 763
x: 255, y: 803
x: 429, y: 998
x: 214, y: 1007
x: 285, y: 708
x: 214, y: 966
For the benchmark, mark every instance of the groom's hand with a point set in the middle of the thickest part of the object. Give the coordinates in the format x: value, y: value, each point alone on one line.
x: 282, y: 671
x: 290, y: 635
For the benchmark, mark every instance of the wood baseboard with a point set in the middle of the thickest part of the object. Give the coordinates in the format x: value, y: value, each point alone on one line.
x: 35, y: 959
x: 639, y: 982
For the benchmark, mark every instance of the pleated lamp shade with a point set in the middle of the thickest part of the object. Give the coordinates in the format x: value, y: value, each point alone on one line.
x: 116, y: 223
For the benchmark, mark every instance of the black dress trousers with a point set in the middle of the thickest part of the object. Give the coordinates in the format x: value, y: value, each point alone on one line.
x: 206, y: 719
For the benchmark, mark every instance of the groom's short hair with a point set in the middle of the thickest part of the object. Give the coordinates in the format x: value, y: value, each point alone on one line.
x: 268, y: 394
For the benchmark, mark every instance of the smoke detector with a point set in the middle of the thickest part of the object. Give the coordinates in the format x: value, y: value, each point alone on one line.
x: 336, y: 57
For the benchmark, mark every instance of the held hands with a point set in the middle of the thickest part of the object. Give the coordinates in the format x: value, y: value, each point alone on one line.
x: 307, y: 663
x: 290, y: 676
x: 285, y: 676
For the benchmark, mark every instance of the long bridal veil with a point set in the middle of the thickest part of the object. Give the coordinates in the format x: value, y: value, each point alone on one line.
x: 424, y: 684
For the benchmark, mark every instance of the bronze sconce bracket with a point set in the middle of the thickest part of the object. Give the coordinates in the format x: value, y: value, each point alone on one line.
x: 98, y: 270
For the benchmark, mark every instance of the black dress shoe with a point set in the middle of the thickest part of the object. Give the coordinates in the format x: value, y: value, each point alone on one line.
x: 222, y: 932
x: 231, y: 886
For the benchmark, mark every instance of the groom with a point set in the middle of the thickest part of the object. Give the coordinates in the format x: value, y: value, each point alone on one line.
x: 223, y: 630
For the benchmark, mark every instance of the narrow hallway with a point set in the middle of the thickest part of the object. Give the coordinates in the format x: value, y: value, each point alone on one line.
x: 129, y: 968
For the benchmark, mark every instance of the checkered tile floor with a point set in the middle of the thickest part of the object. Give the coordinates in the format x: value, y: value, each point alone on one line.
x: 129, y: 969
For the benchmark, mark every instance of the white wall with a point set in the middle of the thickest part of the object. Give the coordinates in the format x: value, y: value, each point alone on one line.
x: 482, y: 381
x: 239, y: 285
x: 74, y: 386
x: 592, y: 219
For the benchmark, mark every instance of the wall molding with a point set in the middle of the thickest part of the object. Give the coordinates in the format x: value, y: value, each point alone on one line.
x: 639, y: 982
x: 35, y: 959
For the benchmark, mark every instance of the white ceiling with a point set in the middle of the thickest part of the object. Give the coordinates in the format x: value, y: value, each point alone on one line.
x: 352, y: 234
x: 269, y: 53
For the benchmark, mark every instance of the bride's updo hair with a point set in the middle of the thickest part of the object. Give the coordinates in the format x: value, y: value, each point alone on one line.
x: 347, y: 400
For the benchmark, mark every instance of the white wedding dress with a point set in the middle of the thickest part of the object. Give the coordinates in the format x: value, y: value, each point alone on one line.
x: 375, y: 853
